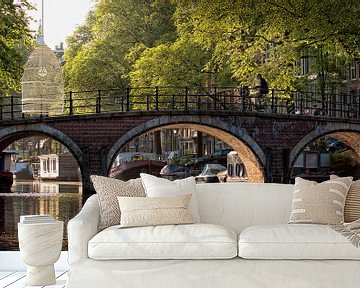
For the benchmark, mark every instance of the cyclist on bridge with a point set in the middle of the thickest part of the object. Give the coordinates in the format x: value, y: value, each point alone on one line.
x: 263, y: 90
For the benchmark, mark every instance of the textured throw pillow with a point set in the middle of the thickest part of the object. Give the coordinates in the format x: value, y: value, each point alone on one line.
x: 352, y: 202
x: 321, y: 203
x: 107, y: 190
x: 144, y: 211
x: 160, y: 187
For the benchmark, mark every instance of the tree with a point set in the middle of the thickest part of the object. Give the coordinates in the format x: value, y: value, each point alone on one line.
x: 177, y: 64
x: 96, y: 66
x: 81, y: 36
x: 202, y: 42
x: 15, y: 41
x: 109, y: 39
x: 268, y: 36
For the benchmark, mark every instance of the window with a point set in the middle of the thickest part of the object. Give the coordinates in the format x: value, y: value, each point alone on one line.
x: 304, y: 65
x: 352, y: 71
x: 53, y: 165
x: 44, y: 165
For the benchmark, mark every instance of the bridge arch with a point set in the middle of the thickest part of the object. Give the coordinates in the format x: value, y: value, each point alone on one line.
x: 348, y: 133
x: 11, y: 134
x: 251, y: 153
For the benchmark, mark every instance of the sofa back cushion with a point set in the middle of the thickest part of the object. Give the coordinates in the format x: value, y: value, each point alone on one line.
x: 239, y: 205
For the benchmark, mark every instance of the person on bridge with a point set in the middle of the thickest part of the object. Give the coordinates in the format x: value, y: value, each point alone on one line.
x: 262, y: 91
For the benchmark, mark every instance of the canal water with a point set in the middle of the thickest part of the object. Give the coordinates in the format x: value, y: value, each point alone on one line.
x: 62, y: 200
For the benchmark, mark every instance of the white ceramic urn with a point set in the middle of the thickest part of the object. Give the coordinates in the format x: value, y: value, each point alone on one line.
x: 40, y: 246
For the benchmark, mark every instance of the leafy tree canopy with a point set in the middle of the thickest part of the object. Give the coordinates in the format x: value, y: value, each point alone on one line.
x: 15, y: 39
x: 220, y: 42
x: 114, y: 30
x: 268, y: 36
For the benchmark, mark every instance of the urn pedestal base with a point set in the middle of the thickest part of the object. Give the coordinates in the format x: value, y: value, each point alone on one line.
x: 40, y: 246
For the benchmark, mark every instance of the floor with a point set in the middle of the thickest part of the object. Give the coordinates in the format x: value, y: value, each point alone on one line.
x: 16, y: 279
x: 13, y: 270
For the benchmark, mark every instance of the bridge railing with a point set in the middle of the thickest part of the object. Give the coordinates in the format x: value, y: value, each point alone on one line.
x: 193, y: 98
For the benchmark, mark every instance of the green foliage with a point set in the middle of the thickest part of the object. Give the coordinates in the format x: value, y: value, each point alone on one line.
x: 97, y: 65
x: 15, y: 40
x: 227, y: 42
x: 239, y: 33
x: 81, y: 36
x: 101, y: 51
x: 342, y: 160
x: 177, y: 64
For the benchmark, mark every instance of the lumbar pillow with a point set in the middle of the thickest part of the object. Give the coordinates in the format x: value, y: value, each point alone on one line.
x: 160, y: 187
x: 321, y: 203
x: 144, y: 211
x: 107, y: 190
x: 352, y: 202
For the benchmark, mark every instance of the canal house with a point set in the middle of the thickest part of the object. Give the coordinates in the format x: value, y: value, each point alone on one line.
x: 58, y: 167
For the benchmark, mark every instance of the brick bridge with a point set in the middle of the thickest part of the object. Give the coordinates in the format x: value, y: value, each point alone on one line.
x: 268, y: 143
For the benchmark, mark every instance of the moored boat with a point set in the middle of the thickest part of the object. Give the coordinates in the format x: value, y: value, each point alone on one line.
x: 6, y: 181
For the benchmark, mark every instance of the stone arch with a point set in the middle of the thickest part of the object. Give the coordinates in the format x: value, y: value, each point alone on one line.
x: 10, y: 134
x: 251, y: 153
x: 348, y: 133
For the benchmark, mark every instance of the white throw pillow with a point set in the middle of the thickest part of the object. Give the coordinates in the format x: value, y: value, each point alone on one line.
x: 160, y: 187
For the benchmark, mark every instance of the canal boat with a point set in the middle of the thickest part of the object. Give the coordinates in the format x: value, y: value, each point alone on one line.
x: 129, y: 165
x: 22, y: 169
x: 6, y: 181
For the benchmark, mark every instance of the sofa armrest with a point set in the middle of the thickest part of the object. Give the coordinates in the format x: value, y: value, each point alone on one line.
x: 82, y: 228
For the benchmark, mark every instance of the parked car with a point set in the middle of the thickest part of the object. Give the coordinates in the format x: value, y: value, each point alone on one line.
x: 222, y: 153
x: 336, y: 146
x: 209, y: 173
x: 175, y: 171
x: 220, y: 156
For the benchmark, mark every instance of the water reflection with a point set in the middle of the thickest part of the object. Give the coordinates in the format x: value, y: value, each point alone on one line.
x: 63, y: 200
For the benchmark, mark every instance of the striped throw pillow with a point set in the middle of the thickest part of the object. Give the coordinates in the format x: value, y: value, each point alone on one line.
x: 320, y: 203
x: 352, y: 202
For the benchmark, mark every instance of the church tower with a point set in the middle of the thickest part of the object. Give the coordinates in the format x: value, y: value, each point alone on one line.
x: 42, y: 81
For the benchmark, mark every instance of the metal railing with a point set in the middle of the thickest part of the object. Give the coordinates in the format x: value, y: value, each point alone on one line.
x: 192, y: 98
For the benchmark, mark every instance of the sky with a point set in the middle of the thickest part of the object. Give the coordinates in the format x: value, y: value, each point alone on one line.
x: 60, y: 18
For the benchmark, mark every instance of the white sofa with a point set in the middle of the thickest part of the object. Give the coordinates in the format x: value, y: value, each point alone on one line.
x: 261, y: 249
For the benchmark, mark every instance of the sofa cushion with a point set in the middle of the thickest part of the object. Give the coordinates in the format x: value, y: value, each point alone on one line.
x: 107, y: 190
x: 290, y: 241
x: 145, y: 211
x: 191, y: 241
x: 159, y: 187
x: 320, y: 203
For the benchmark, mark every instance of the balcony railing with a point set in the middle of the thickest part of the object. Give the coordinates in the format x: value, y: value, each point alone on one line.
x: 191, y: 98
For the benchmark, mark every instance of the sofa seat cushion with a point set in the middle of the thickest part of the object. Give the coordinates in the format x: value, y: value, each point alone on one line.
x: 295, y: 241
x: 190, y: 241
